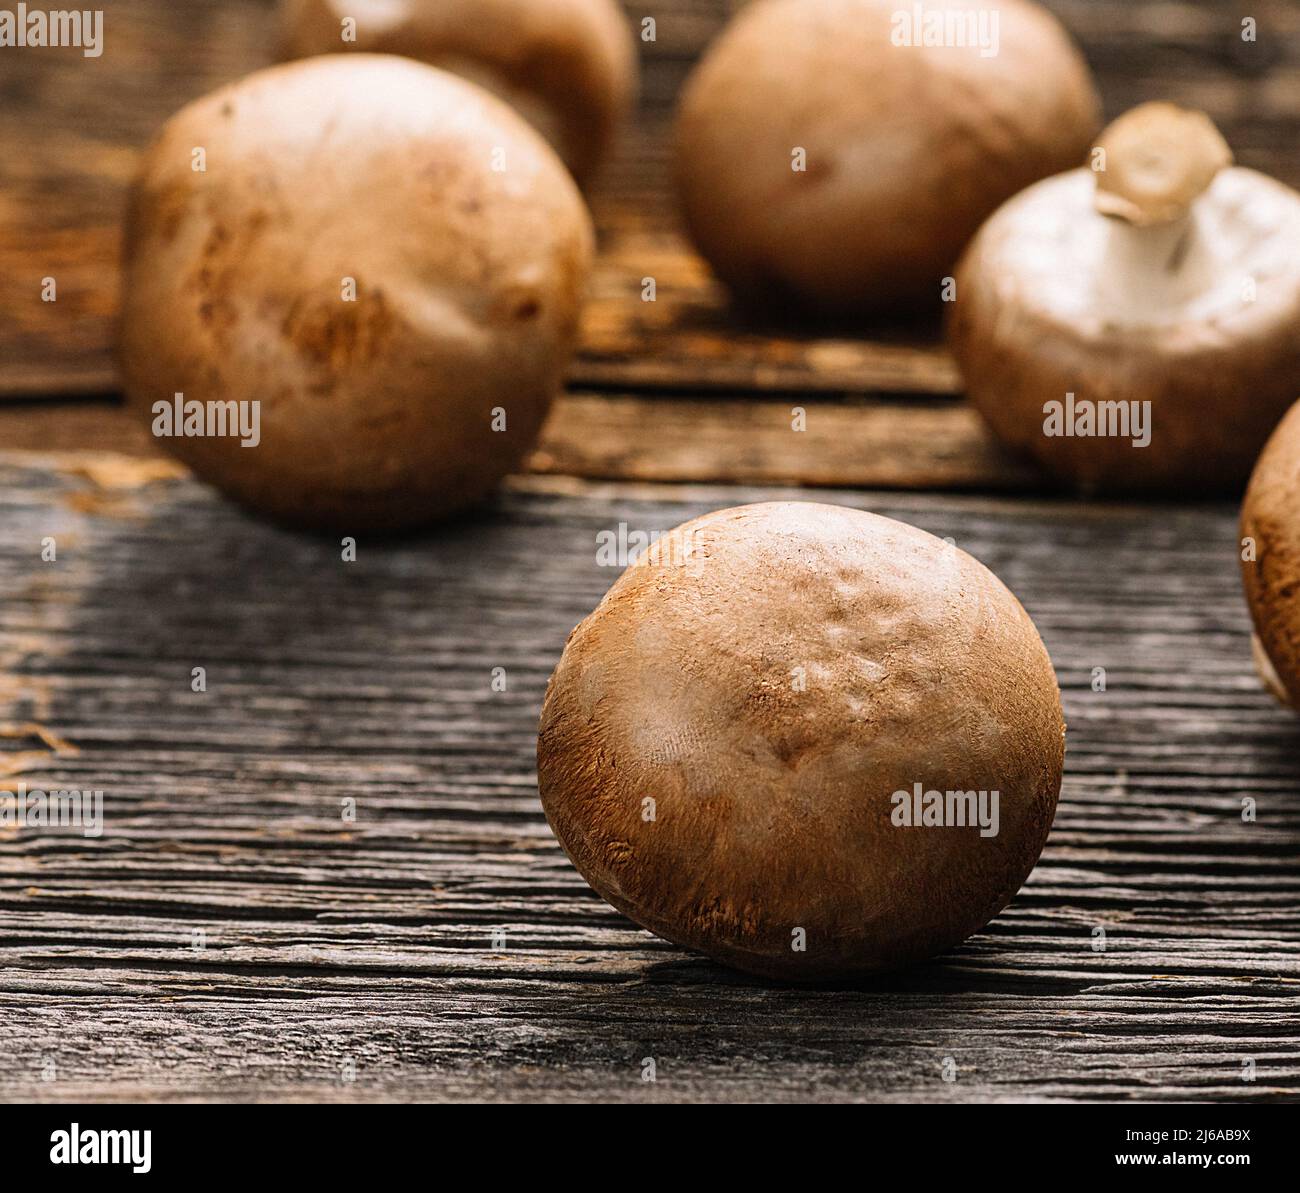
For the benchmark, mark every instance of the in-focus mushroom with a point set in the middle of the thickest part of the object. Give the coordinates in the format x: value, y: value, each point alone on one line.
x: 839, y: 154
x: 1136, y: 326
x: 1270, y: 527
x: 806, y: 740
x: 567, y: 66
x: 382, y: 257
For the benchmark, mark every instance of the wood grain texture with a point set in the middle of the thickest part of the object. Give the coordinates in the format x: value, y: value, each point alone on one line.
x: 867, y: 443
x: 231, y: 936
x: 72, y: 129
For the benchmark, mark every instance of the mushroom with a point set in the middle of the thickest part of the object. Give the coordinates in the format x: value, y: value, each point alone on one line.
x: 378, y: 263
x: 743, y: 745
x: 1136, y: 326
x: 567, y: 66
x: 838, y: 154
x: 1270, y: 528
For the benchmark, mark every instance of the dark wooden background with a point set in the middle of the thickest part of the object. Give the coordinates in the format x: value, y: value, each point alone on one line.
x: 71, y: 130
x: 231, y: 935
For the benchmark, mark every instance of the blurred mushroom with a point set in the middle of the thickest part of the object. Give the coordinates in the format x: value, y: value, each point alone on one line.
x: 830, y: 156
x: 380, y: 260
x: 1136, y: 326
x: 567, y: 66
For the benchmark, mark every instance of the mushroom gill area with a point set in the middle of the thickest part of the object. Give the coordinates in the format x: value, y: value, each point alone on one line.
x: 1238, y: 245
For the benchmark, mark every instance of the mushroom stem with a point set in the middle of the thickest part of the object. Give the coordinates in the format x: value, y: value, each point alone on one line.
x: 1145, y: 270
x: 1159, y: 249
x: 1155, y: 161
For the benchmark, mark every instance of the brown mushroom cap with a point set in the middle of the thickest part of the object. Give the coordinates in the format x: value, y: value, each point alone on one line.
x: 1271, y: 517
x: 909, y: 147
x: 567, y: 66
x: 769, y: 676
x: 1191, y: 303
x: 377, y: 412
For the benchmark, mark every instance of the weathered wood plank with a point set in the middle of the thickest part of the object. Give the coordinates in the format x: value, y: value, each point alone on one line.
x: 869, y: 443
x: 327, y: 943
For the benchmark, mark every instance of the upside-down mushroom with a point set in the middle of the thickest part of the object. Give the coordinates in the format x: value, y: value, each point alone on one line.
x: 1135, y: 326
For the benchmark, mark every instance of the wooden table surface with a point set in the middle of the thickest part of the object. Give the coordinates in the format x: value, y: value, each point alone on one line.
x: 233, y: 934
x: 1155, y: 949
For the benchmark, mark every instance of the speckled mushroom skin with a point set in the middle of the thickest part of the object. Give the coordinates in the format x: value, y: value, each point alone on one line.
x: 1271, y: 516
x: 568, y: 66
x: 1026, y: 328
x: 772, y: 805
x: 909, y: 148
x: 378, y: 412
